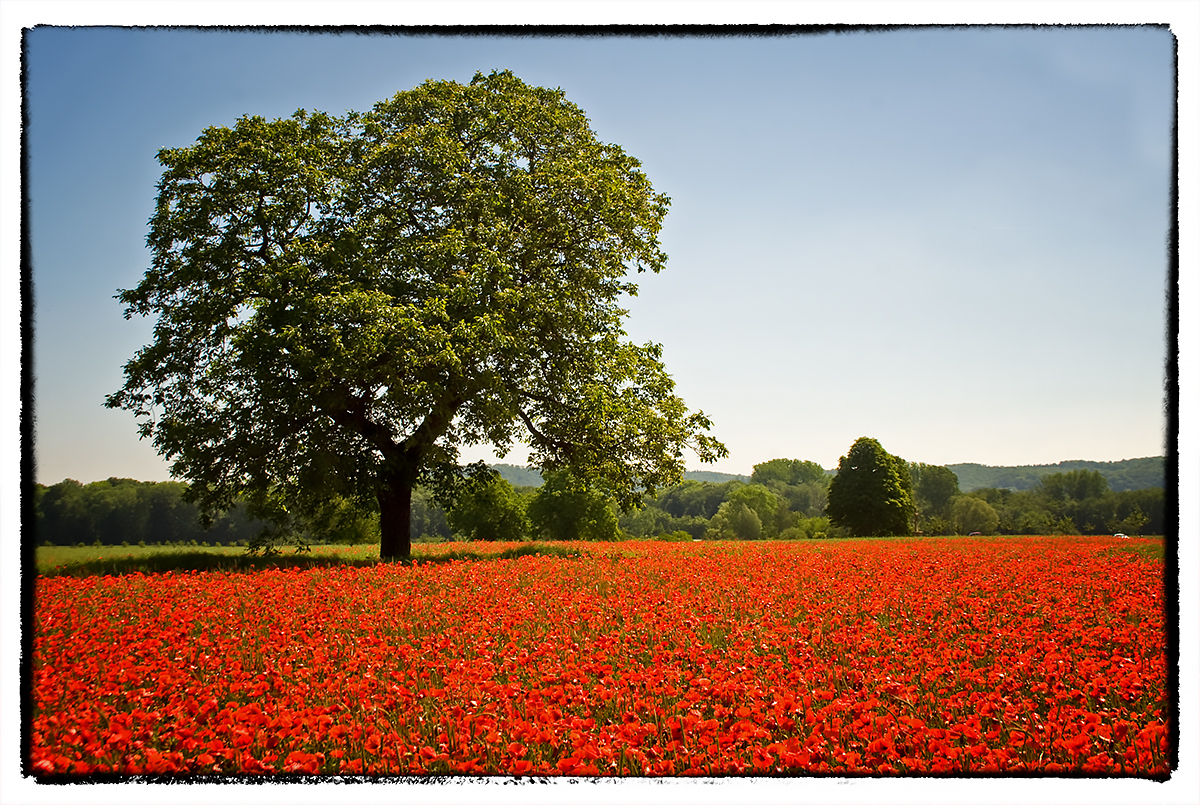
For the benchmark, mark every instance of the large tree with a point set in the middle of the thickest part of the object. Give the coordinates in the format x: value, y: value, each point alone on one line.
x: 871, y: 495
x: 344, y: 302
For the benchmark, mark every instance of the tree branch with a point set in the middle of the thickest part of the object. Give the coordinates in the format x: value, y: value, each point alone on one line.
x: 569, y: 447
x: 351, y: 413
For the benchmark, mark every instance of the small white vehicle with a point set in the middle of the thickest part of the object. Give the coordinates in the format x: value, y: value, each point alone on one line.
x: 1120, y: 536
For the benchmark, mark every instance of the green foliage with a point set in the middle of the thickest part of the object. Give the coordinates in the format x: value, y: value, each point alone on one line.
x: 933, y: 488
x: 768, y: 507
x: 735, y: 520
x: 566, y: 508
x: 807, y: 528
x: 342, y: 302
x: 1151, y: 502
x: 695, y: 498
x: 1065, y: 525
x: 871, y: 493
x: 490, y: 510
x: 1076, y: 485
x: 1078, y: 500
x: 1130, y: 474
x: 1034, y: 521
x: 341, y: 520
x: 803, y: 485
x: 644, y: 521
x: 649, y: 520
x: 970, y: 515
x: 1059, y: 512
x: 1131, y: 525
x: 124, y: 510
x: 788, y: 471
x: 809, y: 499
x: 937, y: 527
x: 428, y: 519
x: 110, y: 561
x: 771, y: 496
x: 148, y: 513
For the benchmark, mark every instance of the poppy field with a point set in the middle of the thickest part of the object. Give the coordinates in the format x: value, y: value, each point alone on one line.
x: 1025, y: 655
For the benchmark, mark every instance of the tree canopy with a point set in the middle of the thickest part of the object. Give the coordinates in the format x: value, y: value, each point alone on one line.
x: 971, y: 514
x: 489, y: 509
x: 344, y: 302
x: 933, y: 487
x: 567, y: 508
x: 871, y: 495
x: 788, y: 471
x: 1073, y: 485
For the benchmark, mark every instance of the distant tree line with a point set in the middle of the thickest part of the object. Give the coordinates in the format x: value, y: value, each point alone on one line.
x: 873, y: 493
x: 124, y: 511
x: 1075, y: 502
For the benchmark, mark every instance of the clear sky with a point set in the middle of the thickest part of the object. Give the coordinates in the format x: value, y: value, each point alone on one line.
x: 953, y: 241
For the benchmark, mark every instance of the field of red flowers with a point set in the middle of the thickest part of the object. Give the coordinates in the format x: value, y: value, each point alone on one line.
x: 876, y: 657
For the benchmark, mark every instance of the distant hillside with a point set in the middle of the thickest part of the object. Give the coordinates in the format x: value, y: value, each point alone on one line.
x: 518, y: 476
x: 1132, y: 473
x: 523, y: 476
x: 714, y: 477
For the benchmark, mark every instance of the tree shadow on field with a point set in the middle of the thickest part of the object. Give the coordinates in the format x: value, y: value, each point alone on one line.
x: 201, y: 561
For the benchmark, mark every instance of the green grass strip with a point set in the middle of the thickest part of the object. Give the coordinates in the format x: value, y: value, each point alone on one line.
x: 113, y: 561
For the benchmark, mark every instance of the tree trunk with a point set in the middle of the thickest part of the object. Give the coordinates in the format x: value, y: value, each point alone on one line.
x: 395, y: 520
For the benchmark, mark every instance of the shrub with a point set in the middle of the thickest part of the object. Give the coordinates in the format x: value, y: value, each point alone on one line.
x: 970, y: 514
x: 734, y: 520
x: 807, y: 528
x: 937, y: 527
x: 490, y: 510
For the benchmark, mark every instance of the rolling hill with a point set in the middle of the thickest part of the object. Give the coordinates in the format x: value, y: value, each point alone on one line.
x: 1132, y: 473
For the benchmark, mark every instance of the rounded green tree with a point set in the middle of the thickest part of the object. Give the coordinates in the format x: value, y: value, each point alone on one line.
x: 491, y: 510
x: 871, y: 495
x: 566, y: 508
x: 735, y: 520
x: 971, y: 515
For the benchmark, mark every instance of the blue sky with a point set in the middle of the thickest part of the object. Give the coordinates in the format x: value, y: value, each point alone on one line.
x: 953, y: 241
